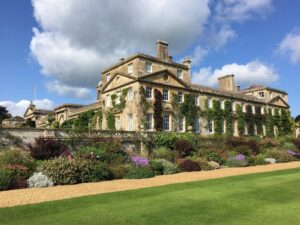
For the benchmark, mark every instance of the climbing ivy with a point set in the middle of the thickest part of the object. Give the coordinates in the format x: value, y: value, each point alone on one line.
x: 176, y: 109
x: 269, y: 123
x: 250, y: 120
x: 122, y: 100
x: 110, y: 120
x: 218, y: 117
x: 228, y: 118
x: 259, y: 120
x: 158, y: 110
x: 240, y: 120
x: 286, y: 122
x: 189, y: 110
x: 144, y: 104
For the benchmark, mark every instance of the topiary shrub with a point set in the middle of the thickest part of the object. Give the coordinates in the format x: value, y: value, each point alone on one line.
x: 139, y: 173
x: 280, y: 156
x: 183, y: 148
x: 39, y: 180
x: 44, y: 149
x: 189, y: 165
x: 168, y: 167
x: 6, y: 178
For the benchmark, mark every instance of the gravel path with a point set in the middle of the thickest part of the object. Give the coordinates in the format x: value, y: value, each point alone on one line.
x: 36, y: 195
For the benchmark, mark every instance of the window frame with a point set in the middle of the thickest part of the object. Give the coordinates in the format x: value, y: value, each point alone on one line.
x: 147, y: 91
x: 179, y: 73
x: 165, y: 93
x: 130, y: 68
x: 146, y: 67
x: 166, y: 122
x: 149, y: 121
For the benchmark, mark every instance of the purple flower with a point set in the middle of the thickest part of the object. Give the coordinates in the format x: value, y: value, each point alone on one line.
x: 240, y: 157
x: 140, y: 161
x: 291, y: 152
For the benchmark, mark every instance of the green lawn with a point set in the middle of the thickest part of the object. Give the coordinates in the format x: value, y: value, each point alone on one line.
x: 268, y: 198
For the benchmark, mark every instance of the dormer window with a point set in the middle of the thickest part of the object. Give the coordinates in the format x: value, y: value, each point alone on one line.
x: 261, y: 94
x: 130, y: 68
x: 107, y: 77
x: 148, y: 67
x: 179, y: 74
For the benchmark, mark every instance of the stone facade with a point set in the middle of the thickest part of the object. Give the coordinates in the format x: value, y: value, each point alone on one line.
x: 38, y: 117
x: 169, y: 77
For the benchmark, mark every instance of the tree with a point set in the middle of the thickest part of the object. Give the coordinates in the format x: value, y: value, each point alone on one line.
x: 4, y: 114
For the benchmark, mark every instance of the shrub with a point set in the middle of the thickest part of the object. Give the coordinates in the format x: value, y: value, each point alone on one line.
x: 269, y: 143
x: 280, y: 156
x: 252, y: 144
x: 214, y: 165
x: 119, y: 171
x: 243, y: 149
x: 297, y: 143
x: 20, y: 165
x: 204, y: 164
x: 236, y: 141
x: 139, y: 173
x: 6, y: 179
x: 64, y: 171
x: 163, y: 153
x: 289, y: 146
x: 39, y: 180
x: 167, y: 139
x: 270, y: 160
x: 140, y: 161
x: 43, y: 149
x: 238, y: 161
x: 168, y: 167
x: 157, y: 167
x: 189, y: 165
x: 260, y: 160
x: 183, y: 148
x: 110, y: 153
x: 214, y: 156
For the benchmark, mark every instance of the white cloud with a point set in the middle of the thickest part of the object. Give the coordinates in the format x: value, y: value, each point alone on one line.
x: 69, y: 91
x: 290, y: 46
x: 239, y: 10
x: 245, y: 74
x: 77, y: 39
x: 18, y: 108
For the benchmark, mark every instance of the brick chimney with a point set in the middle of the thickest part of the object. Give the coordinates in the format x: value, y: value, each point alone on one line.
x: 226, y: 83
x: 162, y: 51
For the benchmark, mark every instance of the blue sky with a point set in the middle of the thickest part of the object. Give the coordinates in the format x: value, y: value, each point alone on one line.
x: 60, y: 49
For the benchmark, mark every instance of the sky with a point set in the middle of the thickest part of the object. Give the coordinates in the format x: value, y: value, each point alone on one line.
x: 53, y: 51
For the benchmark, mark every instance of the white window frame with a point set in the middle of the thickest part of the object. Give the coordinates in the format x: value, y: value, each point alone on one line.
x: 271, y: 94
x: 210, y: 103
x: 130, y: 68
x: 197, y: 100
x: 222, y: 104
x: 179, y: 74
x: 181, y: 123
x: 165, y: 95
x: 130, y: 94
x: 166, y: 122
x: 118, y: 122
x: 210, y: 128
x: 148, y: 67
x: 261, y: 94
x: 149, y: 121
x: 197, y: 128
x: 130, y: 121
x: 108, y: 101
x: 118, y: 94
x: 108, y: 77
x: 147, y: 92
x: 181, y: 97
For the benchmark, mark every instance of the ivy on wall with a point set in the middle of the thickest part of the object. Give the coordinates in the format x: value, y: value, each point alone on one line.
x: 144, y: 104
x: 228, y: 116
x: 110, y: 120
x: 259, y: 120
x: 250, y: 120
x: 189, y: 110
x: 269, y: 124
x: 158, y: 110
x: 176, y: 109
x: 286, y: 122
x: 240, y: 120
x: 122, y: 100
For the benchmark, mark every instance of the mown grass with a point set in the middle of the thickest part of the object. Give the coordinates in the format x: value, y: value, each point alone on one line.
x: 266, y: 198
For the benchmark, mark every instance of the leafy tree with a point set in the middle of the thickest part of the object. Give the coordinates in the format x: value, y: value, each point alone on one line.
x: 4, y: 114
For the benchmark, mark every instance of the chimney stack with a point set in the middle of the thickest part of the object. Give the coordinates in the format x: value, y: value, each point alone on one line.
x: 162, y: 51
x: 226, y: 83
x: 237, y: 88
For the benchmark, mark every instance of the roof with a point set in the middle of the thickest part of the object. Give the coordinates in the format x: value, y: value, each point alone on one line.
x: 141, y: 55
x: 257, y: 87
x: 16, y: 118
x: 69, y: 105
x: 230, y: 94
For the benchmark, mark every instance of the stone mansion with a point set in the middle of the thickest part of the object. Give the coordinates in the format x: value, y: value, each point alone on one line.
x: 160, y: 73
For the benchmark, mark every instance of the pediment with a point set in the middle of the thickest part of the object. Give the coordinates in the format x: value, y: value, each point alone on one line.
x: 279, y: 101
x: 165, y: 77
x: 118, y: 80
x: 28, y: 112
